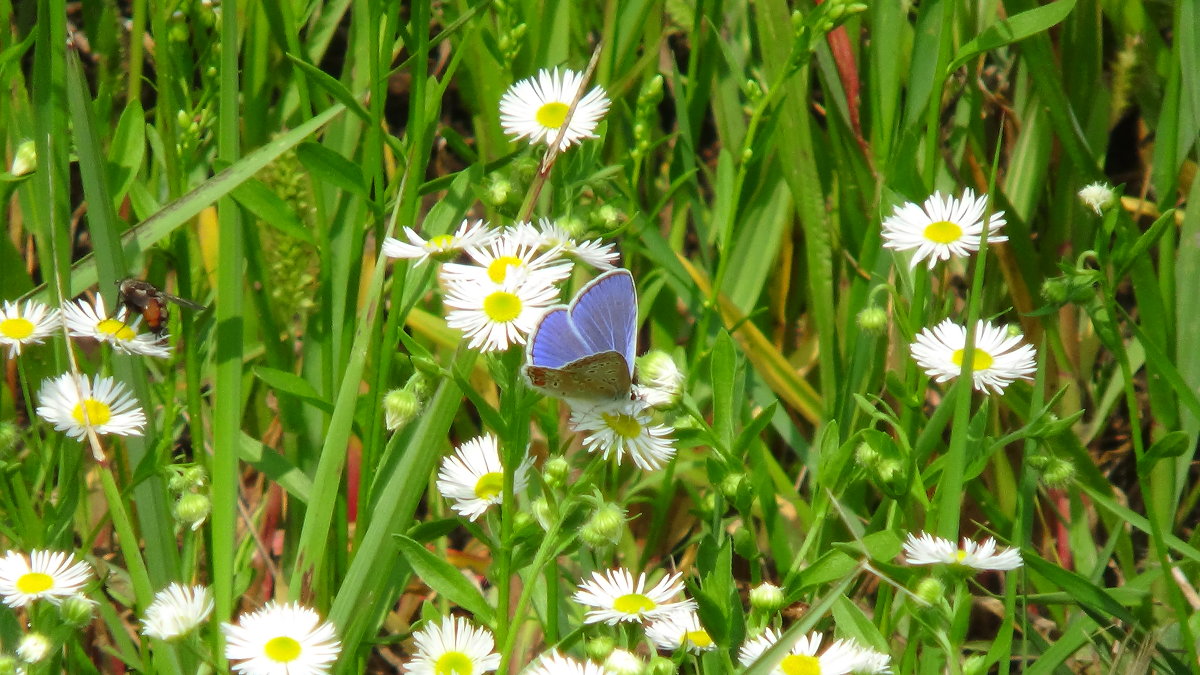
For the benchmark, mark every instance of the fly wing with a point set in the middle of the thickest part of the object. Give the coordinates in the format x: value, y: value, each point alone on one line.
x: 554, y: 342
x: 604, y: 315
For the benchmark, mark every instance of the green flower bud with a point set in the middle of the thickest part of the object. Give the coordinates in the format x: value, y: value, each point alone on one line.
x: 9, y: 435
x: 544, y: 514
x: 556, y: 471
x: 976, y: 664
x: 872, y: 320
x: 34, y: 647
x: 400, y: 406
x: 661, y: 666
x: 9, y: 665
x: 605, y: 527
x: 192, y: 510
x: 598, y: 648
x: 731, y: 484
x: 767, y: 597
x: 931, y: 591
x: 24, y: 159
x: 1098, y: 197
x: 497, y: 191
x: 1058, y: 472
x: 622, y: 662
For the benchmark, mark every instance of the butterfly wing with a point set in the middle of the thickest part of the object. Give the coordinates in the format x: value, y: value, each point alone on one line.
x: 594, y: 377
x: 604, y: 315
x: 554, y: 342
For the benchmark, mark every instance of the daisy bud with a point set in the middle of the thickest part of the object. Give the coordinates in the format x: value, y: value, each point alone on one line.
x: 976, y: 664
x: 662, y: 381
x: 1098, y: 196
x: 573, y: 226
x: 24, y: 159
x: 34, y: 647
x: 543, y: 513
x: 556, y: 470
x: 931, y: 591
x: 731, y: 484
x: 608, y: 216
x: 9, y: 435
x: 651, y: 92
x: 872, y: 320
x: 767, y: 597
x: 867, y: 456
x: 1056, y: 291
x: 622, y: 662
x: 605, y: 527
x: 77, y: 610
x: 598, y: 648
x: 661, y: 666
x: 192, y: 510
x: 400, y: 406
x: 497, y: 191
x: 9, y: 665
x: 1058, y: 472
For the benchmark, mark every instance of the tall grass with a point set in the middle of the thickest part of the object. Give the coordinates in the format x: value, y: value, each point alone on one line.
x: 253, y: 156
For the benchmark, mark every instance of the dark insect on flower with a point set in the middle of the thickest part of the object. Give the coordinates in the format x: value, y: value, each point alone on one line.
x: 145, y: 299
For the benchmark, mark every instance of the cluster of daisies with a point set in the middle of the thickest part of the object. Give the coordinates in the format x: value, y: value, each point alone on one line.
x: 75, y: 403
x: 940, y: 229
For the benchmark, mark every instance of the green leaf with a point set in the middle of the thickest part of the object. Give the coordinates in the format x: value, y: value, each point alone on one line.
x: 126, y: 152
x: 294, y: 385
x: 1013, y: 29
x: 1094, y: 600
x: 331, y: 86
x: 445, y: 579
x: 1174, y: 444
x: 328, y: 166
x: 267, y: 206
x: 723, y: 365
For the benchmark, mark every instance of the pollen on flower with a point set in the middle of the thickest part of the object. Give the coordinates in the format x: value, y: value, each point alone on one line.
x: 98, y: 412
x: 497, y: 270
x: 943, y: 232
x: 552, y: 114
x: 502, y: 306
x: 282, y: 649
x: 633, y: 603
x: 981, y: 361
x: 624, y: 425
x: 17, y: 328
x: 35, y: 582
x: 489, y: 485
x: 117, y: 329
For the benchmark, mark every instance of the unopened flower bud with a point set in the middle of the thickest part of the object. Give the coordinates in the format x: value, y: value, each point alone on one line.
x: 192, y: 510
x: 622, y: 662
x: 598, y: 648
x: 872, y: 320
x: 767, y: 597
x: 497, y: 191
x: 1058, y: 472
x: 77, y: 610
x: 400, y: 406
x: 34, y: 647
x: 24, y: 159
x: 543, y: 513
x: 9, y: 665
x: 661, y: 380
x: 556, y: 470
x: 661, y: 666
x: 931, y: 591
x: 9, y: 435
x: 1098, y: 196
x: 975, y: 664
x: 605, y: 526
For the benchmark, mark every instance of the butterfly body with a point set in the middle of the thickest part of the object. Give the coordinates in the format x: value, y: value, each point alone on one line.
x: 585, y: 350
x: 145, y: 299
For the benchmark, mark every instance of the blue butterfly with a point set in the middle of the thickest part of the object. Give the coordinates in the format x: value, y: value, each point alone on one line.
x: 585, y: 350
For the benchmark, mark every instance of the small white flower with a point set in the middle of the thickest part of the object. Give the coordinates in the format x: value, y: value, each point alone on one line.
x: 27, y: 325
x: 34, y: 647
x: 51, y: 575
x: 469, y: 234
x: 473, y: 477
x: 92, y: 321
x: 661, y: 381
x: 681, y: 630
x: 108, y: 405
x: 843, y: 656
x: 1098, y: 196
x: 536, y: 108
x: 281, y: 640
x: 176, y: 611
x: 492, y: 316
x: 456, y: 647
x: 1000, y: 359
x: 554, y: 663
x: 930, y: 550
x: 618, y: 598
x: 550, y: 235
x: 941, y: 228
x: 506, y: 256
x: 622, y: 428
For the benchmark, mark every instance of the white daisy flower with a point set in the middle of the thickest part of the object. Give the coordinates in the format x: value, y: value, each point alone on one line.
x: 456, y: 647
x: 554, y: 663
x: 494, y: 316
x: 1098, y: 196
x: 44, y: 574
x: 843, y: 656
x: 617, y: 597
x: 108, y: 405
x: 550, y: 235
x: 1000, y: 359
x: 536, y: 108
x: 681, y: 630
x: 473, y: 477
x: 930, y: 550
x: 469, y: 234
x: 624, y: 428
x: 941, y: 227
x: 281, y: 640
x: 176, y: 611
x: 624, y: 662
x: 26, y: 326
x: 92, y: 321
x: 505, y: 255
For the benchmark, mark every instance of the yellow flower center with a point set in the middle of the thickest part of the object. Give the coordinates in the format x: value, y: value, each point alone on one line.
x: 553, y: 114
x: 700, y: 638
x: 959, y: 556
x: 98, y: 412
x: 35, y: 582
x: 454, y: 663
x: 943, y: 232
x: 441, y: 242
x: 502, y: 306
x: 982, y: 360
x: 117, y: 329
x: 489, y: 485
x: 633, y: 603
x: 282, y: 649
x: 497, y: 270
x: 624, y: 425
x: 800, y: 664
x: 16, y: 328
